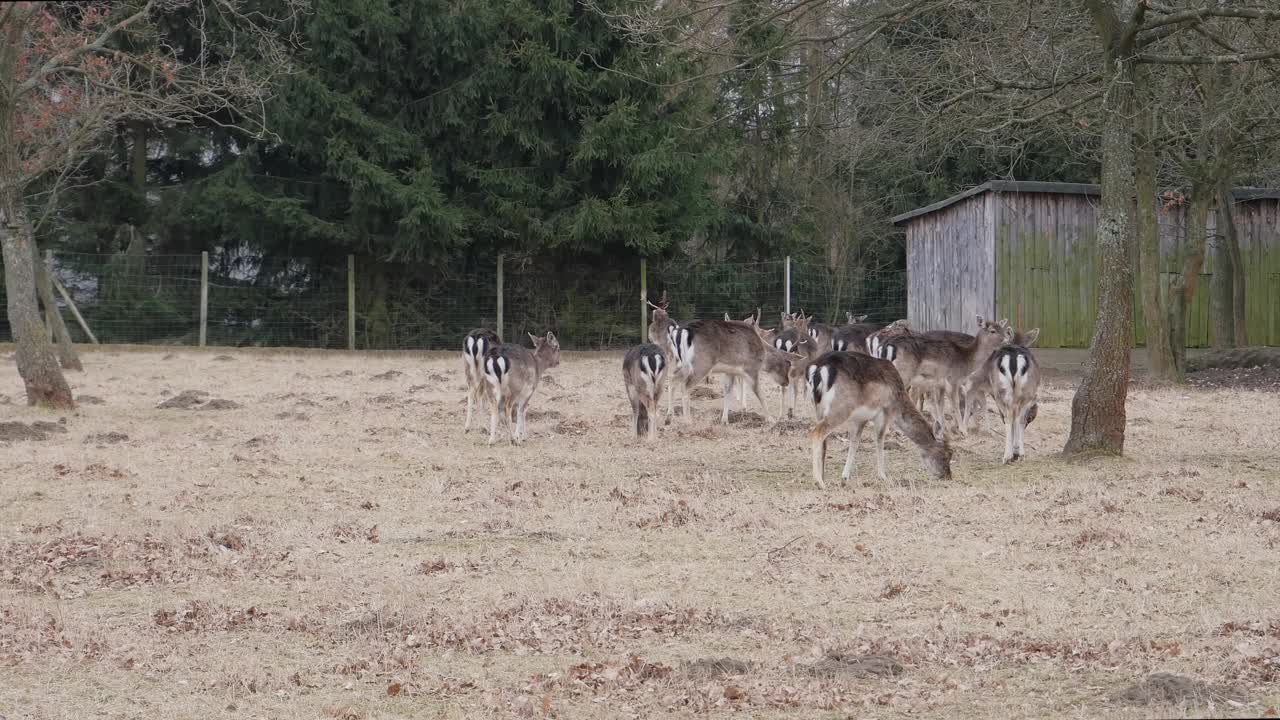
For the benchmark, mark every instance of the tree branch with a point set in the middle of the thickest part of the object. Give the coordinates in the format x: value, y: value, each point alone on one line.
x: 1232, y: 59
x: 61, y: 60
x: 1046, y: 114
x: 1199, y: 14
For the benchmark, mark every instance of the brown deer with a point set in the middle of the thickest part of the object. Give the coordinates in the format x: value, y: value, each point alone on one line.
x: 852, y: 336
x: 937, y: 367
x: 1010, y: 375
x: 859, y: 389
x: 662, y: 331
x: 513, y: 372
x: 474, y: 346
x: 732, y: 348
x: 644, y: 369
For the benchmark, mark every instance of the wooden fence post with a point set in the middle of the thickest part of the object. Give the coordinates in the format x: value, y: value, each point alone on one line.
x: 351, y: 302
x: 49, y: 311
x: 501, y: 320
x: 786, y: 285
x: 644, y: 299
x: 204, y: 297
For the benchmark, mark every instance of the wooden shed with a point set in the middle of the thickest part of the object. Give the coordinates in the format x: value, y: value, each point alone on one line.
x: 1026, y: 251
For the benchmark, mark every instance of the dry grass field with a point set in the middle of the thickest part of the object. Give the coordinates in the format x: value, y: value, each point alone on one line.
x: 316, y: 538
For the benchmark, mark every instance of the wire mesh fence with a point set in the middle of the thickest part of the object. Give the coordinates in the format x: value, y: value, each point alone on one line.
x: 254, y: 300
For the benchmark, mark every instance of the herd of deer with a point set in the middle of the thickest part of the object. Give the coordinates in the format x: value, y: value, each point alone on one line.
x: 857, y: 373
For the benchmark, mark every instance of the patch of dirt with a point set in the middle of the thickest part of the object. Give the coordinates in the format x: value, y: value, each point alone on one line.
x: 1186, y: 493
x: 59, y: 427
x: 704, y: 393
x: 571, y: 427
x: 107, y: 438
x: 388, y: 375
x: 1247, y: 357
x: 543, y: 415
x: 223, y: 358
x: 184, y: 400
x: 790, y: 427
x: 220, y: 404
x: 711, y: 668
x: 17, y: 432
x: 1261, y: 378
x: 302, y: 417
x: 1170, y: 689
x: 746, y: 419
x: 90, y: 400
x: 852, y: 665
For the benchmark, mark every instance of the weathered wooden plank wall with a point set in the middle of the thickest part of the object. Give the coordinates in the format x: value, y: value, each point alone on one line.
x: 950, y: 266
x: 1032, y: 257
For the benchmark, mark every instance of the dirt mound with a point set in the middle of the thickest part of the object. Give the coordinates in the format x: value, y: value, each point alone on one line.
x: 90, y: 400
x: 571, y: 427
x: 745, y: 419
x: 704, y: 393
x: 223, y: 358
x: 49, y: 427
x: 107, y: 438
x: 293, y: 416
x: 184, y: 400
x: 1236, y: 358
x: 388, y: 375
x: 1167, y: 688
x: 710, y: 668
x: 195, y: 400
x: 1261, y: 377
x: 790, y: 427
x: 220, y: 404
x: 838, y: 663
x: 16, y: 432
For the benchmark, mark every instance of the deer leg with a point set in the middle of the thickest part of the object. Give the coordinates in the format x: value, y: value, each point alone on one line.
x: 818, y: 440
x: 1021, y: 427
x: 493, y: 421
x: 728, y: 399
x: 652, y: 404
x: 1010, y: 422
x: 881, y: 427
x: 855, y: 435
x: 753, y: 383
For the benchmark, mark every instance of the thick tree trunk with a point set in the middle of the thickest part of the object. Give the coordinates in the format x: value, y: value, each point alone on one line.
x: 1220, y: 298
x: 37, y: 365
x: 1098, y: 408
x: 1155, y: 313
x: 1229, y: 236
x: 67, y: 355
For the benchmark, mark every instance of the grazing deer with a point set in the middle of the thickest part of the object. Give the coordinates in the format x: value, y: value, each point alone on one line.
x: 937, y: 367
x: 852, y: 336
x: 860, y: 389
x: 513, y: 373
x: 474, y: 346
x: 753, y: 321
x: 644, y: 369
x: 731, y: 348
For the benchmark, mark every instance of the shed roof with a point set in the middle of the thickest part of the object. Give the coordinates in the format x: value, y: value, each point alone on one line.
x: 1057, y: 188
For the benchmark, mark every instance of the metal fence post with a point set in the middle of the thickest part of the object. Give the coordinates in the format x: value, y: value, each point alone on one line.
x: 786, y: 285
x: 502, y: 330
x: 644, y: 299
x: 204, y: 297
x: 351, y: 302
x: 49, y: 311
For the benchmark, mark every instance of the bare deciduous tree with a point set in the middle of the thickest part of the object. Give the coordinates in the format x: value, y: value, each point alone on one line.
x: 66, y: 78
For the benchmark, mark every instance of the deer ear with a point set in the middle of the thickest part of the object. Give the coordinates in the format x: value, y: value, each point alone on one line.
x: 536, y: 340
x: 981, y: 322
x: 551, y: 338
x: 861, y: 318
x: 1029, y: 338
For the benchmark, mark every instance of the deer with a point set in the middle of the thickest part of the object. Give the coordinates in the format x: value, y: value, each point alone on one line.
x: 786, y: 363
x: 1010, y: 375
x: 858, y: 389
x: 754, y: 321
x: 474, y: 346
x: 732, y: 348
x: 820, y: 334
x: 898, y: 328
x: 644, y: 369
x: 662, y: 331
x: 852, y: 336
x: 978, y: 386
x: 513, y: 373
x: 937, y: 367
